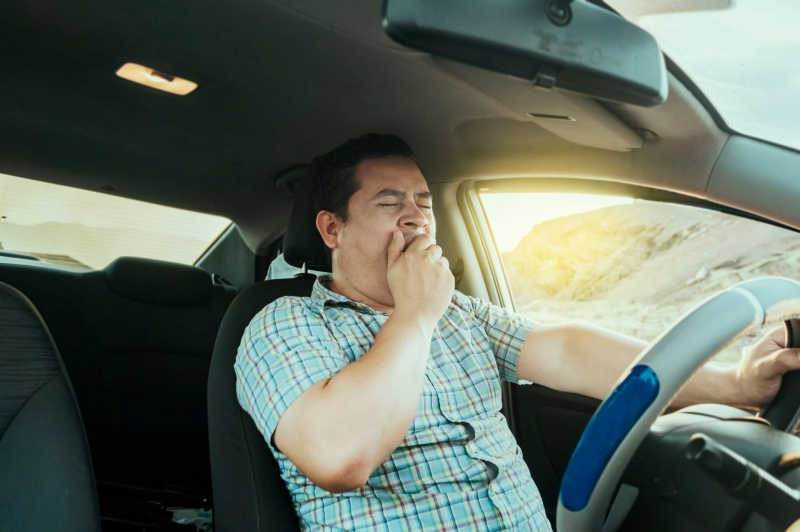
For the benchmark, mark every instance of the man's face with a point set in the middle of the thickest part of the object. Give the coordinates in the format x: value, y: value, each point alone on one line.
x: 393, y: 195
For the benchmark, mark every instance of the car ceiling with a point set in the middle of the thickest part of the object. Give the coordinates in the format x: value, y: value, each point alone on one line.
x: 280, y: 82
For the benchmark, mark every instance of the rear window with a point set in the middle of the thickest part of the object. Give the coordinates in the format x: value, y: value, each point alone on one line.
x: 73, y: 227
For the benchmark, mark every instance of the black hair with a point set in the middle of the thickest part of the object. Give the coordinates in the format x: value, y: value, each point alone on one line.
x: 334, y: 182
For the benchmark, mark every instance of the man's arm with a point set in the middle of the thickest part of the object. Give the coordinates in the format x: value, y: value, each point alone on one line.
x: 589, y: 360
x: 341, y: 429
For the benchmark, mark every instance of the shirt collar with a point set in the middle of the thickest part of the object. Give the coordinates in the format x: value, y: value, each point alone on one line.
x: 322, y: 294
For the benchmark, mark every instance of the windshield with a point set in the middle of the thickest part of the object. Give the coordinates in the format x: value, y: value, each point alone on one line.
x: 744, y: 57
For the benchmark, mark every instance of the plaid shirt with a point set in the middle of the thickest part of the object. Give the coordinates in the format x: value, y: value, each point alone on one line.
x: 459, y: 466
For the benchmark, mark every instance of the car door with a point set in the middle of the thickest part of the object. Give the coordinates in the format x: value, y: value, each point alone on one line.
x: 625, y: 258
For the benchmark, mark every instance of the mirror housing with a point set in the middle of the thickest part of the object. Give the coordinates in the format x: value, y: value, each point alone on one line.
x: 564, y: 44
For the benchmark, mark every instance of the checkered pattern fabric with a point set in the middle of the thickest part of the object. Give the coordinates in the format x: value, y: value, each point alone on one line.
x: 458, y: 468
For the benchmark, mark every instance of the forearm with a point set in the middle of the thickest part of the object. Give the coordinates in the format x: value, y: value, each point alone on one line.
x: 362, y: 414
x: 583, y: 359
x: 589, y: 360
x: 712, y: 383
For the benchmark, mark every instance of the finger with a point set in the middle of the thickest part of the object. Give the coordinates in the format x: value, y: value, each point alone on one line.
x: 777, y: 335
x: 780, y: 362
x: 768, y: 344
x: 421, y: 242
x: 395, y: 249
x: 445, y: 262
x: 435, y: 252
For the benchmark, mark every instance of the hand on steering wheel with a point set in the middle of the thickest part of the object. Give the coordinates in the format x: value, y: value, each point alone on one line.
x: 648, y: 387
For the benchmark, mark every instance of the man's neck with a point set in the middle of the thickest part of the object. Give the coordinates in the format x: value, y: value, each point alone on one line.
x: 343, y: 288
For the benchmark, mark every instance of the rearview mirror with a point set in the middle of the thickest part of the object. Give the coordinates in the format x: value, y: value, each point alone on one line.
x: 565, y: 44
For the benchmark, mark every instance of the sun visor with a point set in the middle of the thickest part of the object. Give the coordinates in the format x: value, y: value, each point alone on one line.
x: 584, y: 121
x: 573, y: 117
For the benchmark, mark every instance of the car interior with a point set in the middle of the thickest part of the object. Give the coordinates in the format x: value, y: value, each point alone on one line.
x: 125, y: 409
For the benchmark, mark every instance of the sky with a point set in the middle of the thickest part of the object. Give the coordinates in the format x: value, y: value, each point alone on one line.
x: 746, y: 59
x: 512, y: 216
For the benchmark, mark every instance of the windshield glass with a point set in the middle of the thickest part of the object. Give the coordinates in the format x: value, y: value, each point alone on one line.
x: 84, y: 229
x: 743, y: 56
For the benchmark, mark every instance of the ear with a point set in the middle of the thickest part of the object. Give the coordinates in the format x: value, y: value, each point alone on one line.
x: 329, y: 225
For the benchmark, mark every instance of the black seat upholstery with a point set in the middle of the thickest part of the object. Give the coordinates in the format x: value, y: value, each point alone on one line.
x: 153, y: 325
x: 46, y: 477
x: 302, y: 244
x: 249, y: 493
x: 136, y: 339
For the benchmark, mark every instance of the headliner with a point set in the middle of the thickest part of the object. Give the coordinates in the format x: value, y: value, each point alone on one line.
x: 280, y: 82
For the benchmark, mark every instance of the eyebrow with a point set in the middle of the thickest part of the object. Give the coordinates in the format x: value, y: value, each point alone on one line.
x: 400, y: 194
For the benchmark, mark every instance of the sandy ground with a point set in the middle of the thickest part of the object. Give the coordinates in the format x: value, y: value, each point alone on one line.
x: 637, y: 268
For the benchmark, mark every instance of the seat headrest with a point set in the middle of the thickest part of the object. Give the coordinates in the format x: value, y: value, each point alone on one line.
x: 159, y: 282
x: 302, y: 243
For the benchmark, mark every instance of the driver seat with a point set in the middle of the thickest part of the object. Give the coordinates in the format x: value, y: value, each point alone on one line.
x: 249, y: 493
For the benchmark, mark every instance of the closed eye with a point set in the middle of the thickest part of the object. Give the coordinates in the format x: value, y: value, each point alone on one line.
x: 387, y: 204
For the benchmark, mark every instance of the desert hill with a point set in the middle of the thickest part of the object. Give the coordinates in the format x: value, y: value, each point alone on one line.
x: 636, y: 268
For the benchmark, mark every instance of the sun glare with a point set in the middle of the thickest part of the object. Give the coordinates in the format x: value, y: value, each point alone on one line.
x: 513, y: 215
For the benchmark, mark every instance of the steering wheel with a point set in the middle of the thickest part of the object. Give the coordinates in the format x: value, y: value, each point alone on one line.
x: 623, y: 420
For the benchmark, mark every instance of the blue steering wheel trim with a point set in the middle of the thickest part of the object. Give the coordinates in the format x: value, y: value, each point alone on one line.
x: 604, y: 433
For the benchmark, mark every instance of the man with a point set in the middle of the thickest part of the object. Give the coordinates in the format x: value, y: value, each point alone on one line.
x: 380, y: 394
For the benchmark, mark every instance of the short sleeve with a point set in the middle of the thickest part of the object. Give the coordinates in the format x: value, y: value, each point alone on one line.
x: 506, y: 331
x: 285, y: 350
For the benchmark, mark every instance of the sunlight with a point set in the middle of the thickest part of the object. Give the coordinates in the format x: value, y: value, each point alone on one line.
x: 513, y: 215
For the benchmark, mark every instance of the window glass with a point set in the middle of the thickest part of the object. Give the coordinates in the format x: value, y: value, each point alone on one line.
x: 632, y: 266
x: 280, y: 269
x: 79, y: 228
x: 742, y: 55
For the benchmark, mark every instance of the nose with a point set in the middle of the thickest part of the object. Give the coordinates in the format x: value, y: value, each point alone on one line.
x: 414, y: 218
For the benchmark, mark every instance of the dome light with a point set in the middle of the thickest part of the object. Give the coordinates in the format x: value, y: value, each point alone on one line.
x: 155, y: 79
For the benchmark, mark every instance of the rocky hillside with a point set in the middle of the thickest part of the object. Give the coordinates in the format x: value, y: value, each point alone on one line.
x: 636, y: 268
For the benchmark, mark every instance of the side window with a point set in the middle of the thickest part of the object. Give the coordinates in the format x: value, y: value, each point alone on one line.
x: 88, y: 230
x: 625, y: 264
